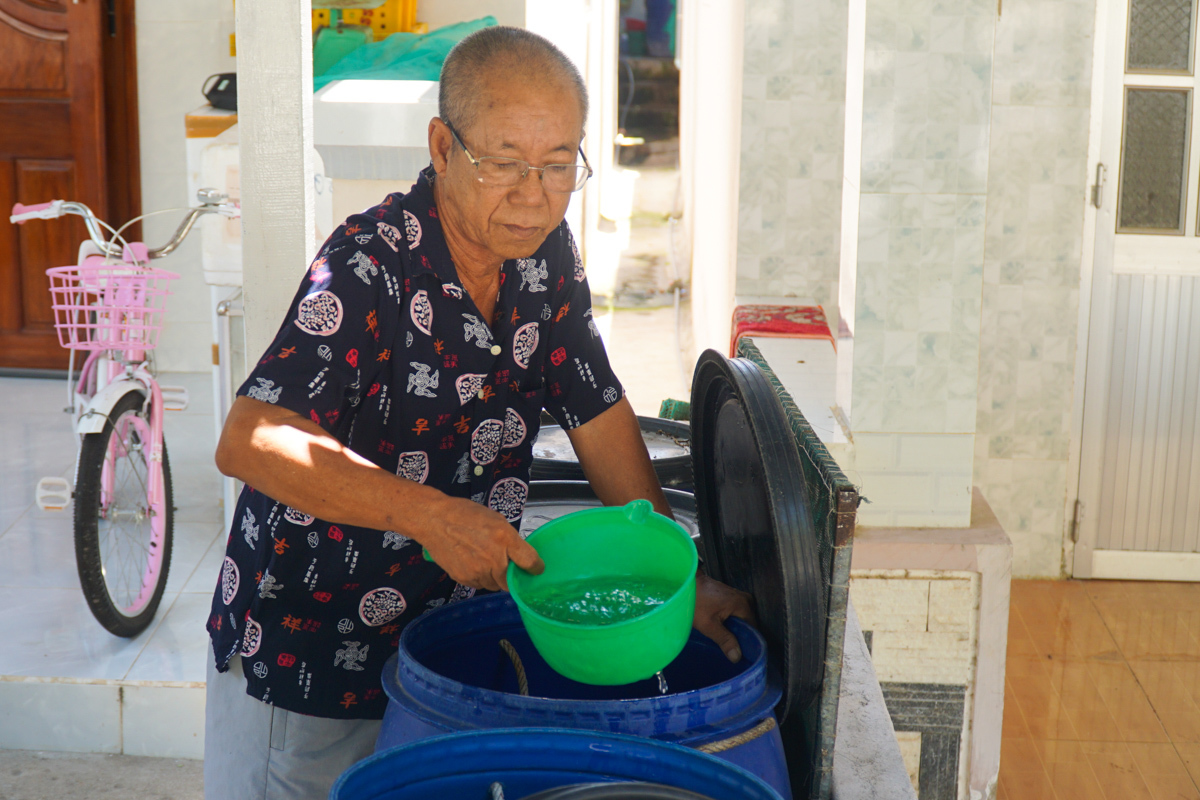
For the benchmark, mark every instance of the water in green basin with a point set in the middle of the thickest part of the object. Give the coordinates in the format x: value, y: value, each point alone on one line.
x: 600, y: 601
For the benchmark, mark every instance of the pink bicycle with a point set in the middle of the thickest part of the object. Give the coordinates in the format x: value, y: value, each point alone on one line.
x: 110, y: 306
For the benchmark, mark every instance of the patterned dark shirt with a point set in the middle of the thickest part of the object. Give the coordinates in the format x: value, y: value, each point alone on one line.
x: 384, y: 349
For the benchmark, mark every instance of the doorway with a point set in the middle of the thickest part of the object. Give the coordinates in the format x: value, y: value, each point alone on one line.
x: 1138, y: 515
x: 641, y: 290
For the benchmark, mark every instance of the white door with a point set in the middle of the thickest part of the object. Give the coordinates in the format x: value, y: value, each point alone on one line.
x: 1140, y: 463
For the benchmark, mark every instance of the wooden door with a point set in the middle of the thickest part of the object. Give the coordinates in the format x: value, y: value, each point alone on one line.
x: 1139, y: 492
x: 52, y: 146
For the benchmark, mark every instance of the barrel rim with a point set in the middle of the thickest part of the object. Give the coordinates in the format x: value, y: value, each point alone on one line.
x: 537, y: 746
x: 420, y: 686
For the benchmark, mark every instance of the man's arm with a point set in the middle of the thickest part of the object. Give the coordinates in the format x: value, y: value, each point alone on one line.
x: 293, y: 460
x: 613, y: 455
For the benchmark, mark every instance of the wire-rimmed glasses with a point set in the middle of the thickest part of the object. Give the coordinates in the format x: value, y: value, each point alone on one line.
x: 501, y: 171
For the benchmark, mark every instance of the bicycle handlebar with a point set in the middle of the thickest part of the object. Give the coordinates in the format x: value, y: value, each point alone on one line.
x: 211, y: 203
x: 22, y: 213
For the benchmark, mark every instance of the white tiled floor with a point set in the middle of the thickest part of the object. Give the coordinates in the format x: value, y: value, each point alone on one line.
x: 57, y: 665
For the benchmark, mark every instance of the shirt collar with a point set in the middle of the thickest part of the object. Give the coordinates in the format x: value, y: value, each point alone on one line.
x: 430, y: 255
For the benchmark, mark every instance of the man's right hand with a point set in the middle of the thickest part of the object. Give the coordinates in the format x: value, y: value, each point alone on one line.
x: 474, y: 544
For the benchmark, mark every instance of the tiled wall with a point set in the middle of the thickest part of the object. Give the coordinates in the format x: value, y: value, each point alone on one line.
x: 913, y: 479
x: 974, y: 178
x: 1037, y: 188
x: 926, y: 108
x: 179, y: 44
x: 793, y: 113
x: 922, y: 631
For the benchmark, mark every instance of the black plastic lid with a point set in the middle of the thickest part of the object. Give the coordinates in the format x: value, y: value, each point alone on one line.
x: 755, y: 517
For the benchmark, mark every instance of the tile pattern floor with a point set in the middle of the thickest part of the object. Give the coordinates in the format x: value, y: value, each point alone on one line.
x: 1102, y: 695
x: 47, y: 630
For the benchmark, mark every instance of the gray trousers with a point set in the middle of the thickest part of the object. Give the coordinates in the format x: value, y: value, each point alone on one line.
x: 255, y: 751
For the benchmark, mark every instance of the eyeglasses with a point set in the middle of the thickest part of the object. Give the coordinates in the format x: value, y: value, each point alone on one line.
x: 499, y: 171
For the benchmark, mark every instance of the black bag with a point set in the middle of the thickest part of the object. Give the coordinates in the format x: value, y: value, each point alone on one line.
x: 222, y: 93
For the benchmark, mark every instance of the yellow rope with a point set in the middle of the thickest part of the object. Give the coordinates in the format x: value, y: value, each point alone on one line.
x: 762, y: 728
x: 511, y: 652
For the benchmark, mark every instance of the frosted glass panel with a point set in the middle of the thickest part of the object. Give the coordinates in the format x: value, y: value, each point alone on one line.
x: 1154, y: 160
x: 1160, y: 34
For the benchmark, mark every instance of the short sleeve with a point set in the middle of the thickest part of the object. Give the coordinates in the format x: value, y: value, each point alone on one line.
x: 329, y: 342
x: 580, y: 382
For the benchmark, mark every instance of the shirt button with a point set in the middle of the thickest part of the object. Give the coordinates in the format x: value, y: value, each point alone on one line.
x: 495, y: 349
x: 478, y: 470
x: 480, y: 394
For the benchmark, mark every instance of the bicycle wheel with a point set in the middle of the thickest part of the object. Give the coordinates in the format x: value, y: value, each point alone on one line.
x: 122, y: 540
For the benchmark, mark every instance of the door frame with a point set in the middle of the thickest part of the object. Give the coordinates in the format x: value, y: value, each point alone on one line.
x: 710, y: 53
x: 1076, y: 559
x: 122, y: 135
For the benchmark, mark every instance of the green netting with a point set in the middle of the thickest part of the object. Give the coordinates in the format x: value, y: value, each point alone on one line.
x: 675, y: 409
x: 835, y: 502
x: 402, y: 56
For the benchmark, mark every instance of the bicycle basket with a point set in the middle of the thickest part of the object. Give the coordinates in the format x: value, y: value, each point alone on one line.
x: 101, y: 306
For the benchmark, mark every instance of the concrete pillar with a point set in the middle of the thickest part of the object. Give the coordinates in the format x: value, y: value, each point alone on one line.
x: 274, y: 39
x: 918, y: 271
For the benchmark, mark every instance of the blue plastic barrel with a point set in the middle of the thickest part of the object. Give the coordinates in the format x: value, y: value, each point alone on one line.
x: 523, y: 761
x: 451, y: 675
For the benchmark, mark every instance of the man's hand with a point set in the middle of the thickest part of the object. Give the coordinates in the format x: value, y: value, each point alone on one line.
x: 715, y: 603
x: 613, y: 455
x: 474, y: 545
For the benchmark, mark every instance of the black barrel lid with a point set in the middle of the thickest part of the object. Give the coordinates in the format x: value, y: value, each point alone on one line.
x: 755, y: 517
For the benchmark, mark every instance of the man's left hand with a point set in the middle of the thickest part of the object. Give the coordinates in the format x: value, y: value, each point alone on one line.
x: 715, y: 603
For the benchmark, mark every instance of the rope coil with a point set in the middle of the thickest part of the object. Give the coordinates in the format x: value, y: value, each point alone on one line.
x: 515, y: 658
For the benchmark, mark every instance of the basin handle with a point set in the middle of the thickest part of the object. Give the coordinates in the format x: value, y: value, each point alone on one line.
x: 638, y: 511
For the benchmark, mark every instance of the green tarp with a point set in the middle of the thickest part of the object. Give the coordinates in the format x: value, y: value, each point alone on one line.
x: 402, y: 56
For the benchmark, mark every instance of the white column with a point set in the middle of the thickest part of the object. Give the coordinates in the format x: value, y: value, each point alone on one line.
x: 566, y: 23
x: 856, y: 29
x: 601, y: 241
x: 918, y: 262
x: 274, y: 40
x: 710, y: 144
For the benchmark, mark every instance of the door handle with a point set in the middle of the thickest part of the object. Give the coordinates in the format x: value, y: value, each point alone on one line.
x: 1098, y: 186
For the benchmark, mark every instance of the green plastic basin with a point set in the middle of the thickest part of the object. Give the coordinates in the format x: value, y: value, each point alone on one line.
x: 632, y: 542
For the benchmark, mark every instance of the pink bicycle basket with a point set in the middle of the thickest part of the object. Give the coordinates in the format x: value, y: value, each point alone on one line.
x: 101, y: 306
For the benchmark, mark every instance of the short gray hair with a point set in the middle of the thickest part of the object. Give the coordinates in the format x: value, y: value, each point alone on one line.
x: 498, y: 45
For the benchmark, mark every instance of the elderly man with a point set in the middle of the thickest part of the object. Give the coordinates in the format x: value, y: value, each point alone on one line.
x: 397, y: 409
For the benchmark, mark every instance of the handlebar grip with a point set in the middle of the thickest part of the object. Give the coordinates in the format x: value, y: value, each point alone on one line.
x: 23, y: 213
